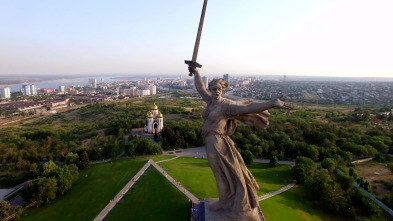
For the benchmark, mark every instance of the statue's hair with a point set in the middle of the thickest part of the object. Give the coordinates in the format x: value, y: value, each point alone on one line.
x: 220, y: 81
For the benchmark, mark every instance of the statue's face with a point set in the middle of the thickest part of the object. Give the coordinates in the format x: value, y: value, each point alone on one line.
x: 216, y: 91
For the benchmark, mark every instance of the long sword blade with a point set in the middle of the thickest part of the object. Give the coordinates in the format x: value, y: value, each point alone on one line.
x: 193, y: 62
x: 198, y: 38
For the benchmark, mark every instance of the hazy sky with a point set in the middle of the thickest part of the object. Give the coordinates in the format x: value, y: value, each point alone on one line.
x: 283, y: 37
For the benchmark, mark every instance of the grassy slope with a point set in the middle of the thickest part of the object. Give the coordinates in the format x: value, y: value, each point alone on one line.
x: 270, y: 179
x: 152, y: 197
x: 194, y: 174
x: 292, y: 206
x: 89, y: 195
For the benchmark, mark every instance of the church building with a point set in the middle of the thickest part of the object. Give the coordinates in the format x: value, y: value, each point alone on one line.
x: 154, y: 121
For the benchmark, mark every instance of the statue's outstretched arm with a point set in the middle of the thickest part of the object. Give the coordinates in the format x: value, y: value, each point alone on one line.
x: 199, y: 85
x: 258, y: 107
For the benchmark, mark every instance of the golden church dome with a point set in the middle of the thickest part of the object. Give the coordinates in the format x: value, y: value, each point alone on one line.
x: 149, y: 115
x: 159, y: 115
x: 154, y: 107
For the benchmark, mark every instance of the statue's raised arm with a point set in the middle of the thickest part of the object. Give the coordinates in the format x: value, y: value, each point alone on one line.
x: 199, y: 85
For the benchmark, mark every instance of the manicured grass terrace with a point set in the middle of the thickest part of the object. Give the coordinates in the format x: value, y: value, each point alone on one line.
x: 153, y: 197
x: 292, y: 205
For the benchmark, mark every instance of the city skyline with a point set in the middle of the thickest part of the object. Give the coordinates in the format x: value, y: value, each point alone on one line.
x: 307, y: 38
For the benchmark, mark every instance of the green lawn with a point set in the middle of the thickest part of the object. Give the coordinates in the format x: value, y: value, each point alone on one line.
x: 153, y: 197
x: 292, y: 206
x: 194, y: 174
x: 270, y: 179
x: 91, y: 193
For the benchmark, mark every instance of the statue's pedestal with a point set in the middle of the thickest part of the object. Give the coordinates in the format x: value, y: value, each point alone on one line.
x: 253, y: 215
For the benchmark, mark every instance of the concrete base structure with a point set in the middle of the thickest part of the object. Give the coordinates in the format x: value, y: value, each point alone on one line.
x: 253, y: 215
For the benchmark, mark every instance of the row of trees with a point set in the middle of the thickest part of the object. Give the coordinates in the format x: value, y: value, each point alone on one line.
x: 141, y: 146
x: 333, y: 188
x: 54, y: 181
x: 181, y: 135
x: 303, y: 135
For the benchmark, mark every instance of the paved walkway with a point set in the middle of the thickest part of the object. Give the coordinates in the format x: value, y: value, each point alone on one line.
x: 285, y: 188
x: 175, y: 183
x: 168, y: 159
x: 125, y: 189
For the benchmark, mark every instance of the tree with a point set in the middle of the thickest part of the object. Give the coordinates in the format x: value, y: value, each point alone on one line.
x: 247, y: 156
x: 319, y: 183
x: 143, y: 146
x: 6, y: 210
x: 65, y: 177
x: 303, y: 169
x: 64, y: 182
x: 329, y: 164
x: 345, y: 181
x: 273, y: 161
x: 334, y: 198
x: 312, y: 152
x: 42, y: 190
x: 130, y: 149
x: 33, y: 170
x: 49, y: 169
x: 84, y: 162
x: 366, y: 185
x: 388, y: 199
x: 347, y: 156
x: 190, y: 136
x: 72, y: 158
x: 351, y: 171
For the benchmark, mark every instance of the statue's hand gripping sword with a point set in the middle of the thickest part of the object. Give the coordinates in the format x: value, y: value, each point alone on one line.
x: 193, y: 62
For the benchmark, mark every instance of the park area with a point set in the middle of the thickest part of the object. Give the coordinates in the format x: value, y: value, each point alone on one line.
x: 153, y: 197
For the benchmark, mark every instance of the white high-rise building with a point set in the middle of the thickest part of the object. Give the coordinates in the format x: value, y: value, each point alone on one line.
x: 5, y: 93
x: 26, y: 90
x: 62, y: 88
x: 33, y: 89
x: 153, y: 89
x: 134, y: 91
x: 93, y: 82
x: 143, y: 92
x: 29, y: 89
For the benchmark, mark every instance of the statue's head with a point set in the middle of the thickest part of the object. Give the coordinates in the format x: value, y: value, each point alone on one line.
x: 216, y: 86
